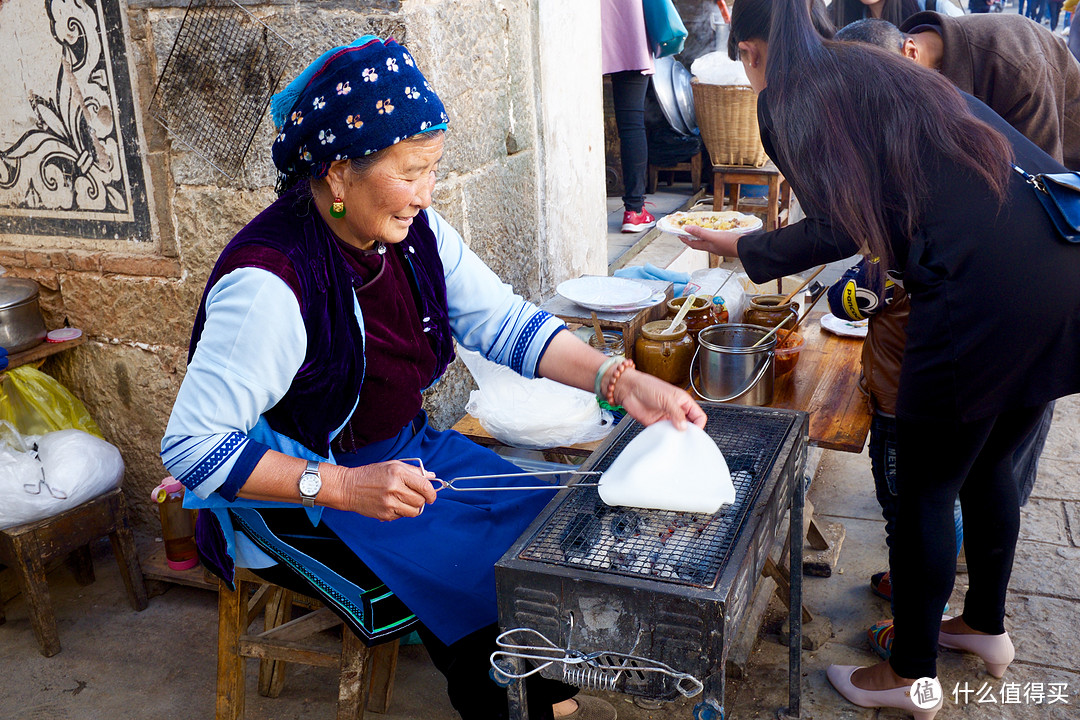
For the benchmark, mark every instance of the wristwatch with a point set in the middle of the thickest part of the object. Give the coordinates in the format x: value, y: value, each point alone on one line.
x: 310, y: 483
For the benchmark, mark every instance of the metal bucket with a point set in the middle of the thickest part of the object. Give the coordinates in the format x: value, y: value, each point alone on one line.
x: 730, y: 369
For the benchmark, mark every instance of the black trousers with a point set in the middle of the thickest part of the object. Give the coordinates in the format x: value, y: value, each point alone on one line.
x: 937, y: 460
x: 628, y: 97
x: 464, y: 663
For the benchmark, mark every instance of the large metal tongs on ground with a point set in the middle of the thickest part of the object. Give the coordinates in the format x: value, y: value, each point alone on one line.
x: 449, y: 484
x: 606, y: 666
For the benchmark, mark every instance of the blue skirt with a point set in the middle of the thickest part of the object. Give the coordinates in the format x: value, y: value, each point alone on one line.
x: 440, y: 565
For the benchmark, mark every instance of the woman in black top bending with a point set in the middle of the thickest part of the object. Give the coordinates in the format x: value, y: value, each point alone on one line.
x: 890, y: 160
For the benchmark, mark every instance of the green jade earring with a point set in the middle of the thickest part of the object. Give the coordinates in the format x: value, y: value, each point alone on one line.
x: 337, y: 208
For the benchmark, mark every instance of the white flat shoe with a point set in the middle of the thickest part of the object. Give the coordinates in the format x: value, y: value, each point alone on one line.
x: 995, y: 650
x: 840, y: 678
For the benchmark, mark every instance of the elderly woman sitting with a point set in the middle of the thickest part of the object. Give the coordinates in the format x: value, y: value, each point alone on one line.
x: 322, y: 322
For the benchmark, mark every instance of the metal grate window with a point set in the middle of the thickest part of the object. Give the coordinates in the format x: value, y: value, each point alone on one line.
x: 682, y: 548
x: 217, y: 82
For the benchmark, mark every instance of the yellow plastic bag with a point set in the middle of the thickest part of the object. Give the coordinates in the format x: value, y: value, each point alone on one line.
x: 36, y: 403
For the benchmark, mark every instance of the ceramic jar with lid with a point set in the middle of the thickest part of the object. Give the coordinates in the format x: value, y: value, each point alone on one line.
x: 666, y: 355
x: 766, y: 311
x: 701, y: 314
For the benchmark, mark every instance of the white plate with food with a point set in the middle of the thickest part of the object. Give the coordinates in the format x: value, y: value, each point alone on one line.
x: 843, y: 326
x: 605, y: 294
x: 727, y: 220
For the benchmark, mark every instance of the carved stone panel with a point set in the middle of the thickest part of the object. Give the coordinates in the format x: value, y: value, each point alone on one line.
x: 70, y: 162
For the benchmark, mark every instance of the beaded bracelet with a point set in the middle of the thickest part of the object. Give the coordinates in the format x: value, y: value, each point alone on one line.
x: 604, y: 367
x: 623, y: 367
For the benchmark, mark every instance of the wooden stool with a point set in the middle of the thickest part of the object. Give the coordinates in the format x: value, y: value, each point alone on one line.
x: 692, y: 166
x: 367, y: 673
x: 28, y: 548
x: 734, y: 177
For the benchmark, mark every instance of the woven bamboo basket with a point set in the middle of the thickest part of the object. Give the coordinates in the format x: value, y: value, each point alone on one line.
x: 727, y: 117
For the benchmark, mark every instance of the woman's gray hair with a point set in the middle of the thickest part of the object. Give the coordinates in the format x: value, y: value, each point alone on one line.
x: 362, y: 165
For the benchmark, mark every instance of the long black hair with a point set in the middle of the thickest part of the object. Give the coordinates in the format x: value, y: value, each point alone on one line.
x: 751, y: 19
x: 853, y: 123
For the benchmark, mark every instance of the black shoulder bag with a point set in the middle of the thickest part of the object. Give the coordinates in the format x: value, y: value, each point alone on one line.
x: 1059, y: 194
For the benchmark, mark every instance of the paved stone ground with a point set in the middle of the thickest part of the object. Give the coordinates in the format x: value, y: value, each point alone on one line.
x: 118, y: 665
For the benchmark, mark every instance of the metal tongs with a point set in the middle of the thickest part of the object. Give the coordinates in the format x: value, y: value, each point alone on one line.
x: 607, y: 665
x: 441, y: 484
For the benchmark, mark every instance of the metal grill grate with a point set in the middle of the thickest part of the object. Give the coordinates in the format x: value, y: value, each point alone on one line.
x: 217, y: 82
x: 681, y: 548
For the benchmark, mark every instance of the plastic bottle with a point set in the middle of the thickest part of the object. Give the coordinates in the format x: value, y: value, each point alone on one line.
x: 177, y: 524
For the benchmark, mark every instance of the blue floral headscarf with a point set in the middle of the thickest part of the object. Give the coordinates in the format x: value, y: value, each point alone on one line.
x: 352, y: 101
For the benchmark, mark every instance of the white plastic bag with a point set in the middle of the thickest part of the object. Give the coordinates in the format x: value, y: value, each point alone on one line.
x: 716, y: 68
x: 78, y: 464
x: 535, y: 414
x: 707, y: 281
x: 42, y: 476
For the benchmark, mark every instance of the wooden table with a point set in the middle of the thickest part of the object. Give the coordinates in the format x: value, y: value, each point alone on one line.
x: 825, y: 383
x: 471, y: 428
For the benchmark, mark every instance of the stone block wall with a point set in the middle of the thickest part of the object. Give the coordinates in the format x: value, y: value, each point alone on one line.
x: 503, y: 186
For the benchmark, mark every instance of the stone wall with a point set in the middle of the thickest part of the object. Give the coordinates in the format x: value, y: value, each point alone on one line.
x: 522, y: 179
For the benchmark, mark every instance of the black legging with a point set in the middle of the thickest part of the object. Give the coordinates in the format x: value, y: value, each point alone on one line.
x: 936, y: 461
x: 463, y: 663
x: 628, y: 97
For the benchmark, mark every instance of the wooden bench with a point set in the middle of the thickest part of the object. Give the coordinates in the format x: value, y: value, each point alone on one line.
x: 28, y: 548
x: 733, y: 177
x: 692, y: 166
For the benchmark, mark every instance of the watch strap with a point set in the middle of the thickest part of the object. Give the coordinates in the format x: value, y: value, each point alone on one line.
x: 312, y: 468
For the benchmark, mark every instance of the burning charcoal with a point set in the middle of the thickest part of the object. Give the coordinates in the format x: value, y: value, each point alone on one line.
x: 623, y: 560
x: 625, y: 524
x: 695, y: 569
x: 580, y: 535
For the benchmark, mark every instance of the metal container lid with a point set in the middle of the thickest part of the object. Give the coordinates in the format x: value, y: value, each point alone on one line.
x: 16, y: 291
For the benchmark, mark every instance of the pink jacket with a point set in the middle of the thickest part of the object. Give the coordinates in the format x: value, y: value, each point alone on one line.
x: 625, y: 45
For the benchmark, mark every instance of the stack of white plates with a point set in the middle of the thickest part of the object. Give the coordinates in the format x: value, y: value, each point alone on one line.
x: 608, y: 294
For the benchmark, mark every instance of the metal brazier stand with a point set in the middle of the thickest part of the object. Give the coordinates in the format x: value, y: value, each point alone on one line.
x: 646, y: 602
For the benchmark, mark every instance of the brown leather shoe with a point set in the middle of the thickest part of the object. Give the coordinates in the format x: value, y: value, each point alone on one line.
x: 591, y: 708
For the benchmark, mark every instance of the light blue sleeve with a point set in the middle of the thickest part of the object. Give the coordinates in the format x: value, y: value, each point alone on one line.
x: 250, y: 349
x: 485, y: 313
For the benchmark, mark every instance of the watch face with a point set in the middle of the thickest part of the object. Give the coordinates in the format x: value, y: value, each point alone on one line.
x: 309, y: 484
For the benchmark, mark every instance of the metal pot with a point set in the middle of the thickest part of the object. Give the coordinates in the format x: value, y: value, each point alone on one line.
x: 732, y: 367
x: 21, y: 324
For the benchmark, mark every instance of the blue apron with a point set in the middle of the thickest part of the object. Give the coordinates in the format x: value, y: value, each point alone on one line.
x: 441, y: 563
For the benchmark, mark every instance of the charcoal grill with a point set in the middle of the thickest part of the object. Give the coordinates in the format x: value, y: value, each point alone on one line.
x: 619, y: 594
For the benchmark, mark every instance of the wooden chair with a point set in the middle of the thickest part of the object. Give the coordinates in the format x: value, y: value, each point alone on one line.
x: 692, y: 166
x: 367, y: 673
x: 28, y: 548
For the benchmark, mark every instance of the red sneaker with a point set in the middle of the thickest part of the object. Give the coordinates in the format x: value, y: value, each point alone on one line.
x: 633, y: 222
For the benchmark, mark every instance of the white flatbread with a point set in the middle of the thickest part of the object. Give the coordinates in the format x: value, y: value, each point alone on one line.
x: 664, y: 468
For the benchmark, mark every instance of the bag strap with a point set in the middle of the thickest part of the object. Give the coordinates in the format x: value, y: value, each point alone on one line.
x: 1033, y: 180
